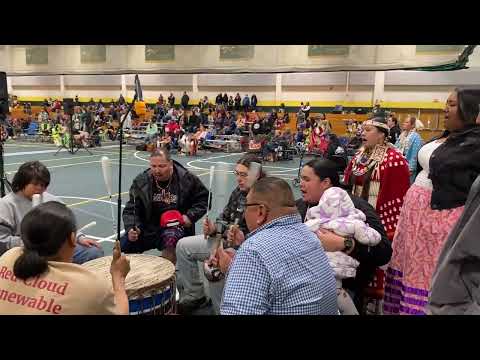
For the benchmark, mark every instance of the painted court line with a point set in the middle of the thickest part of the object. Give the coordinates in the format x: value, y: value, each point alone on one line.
x: 114, y: 235
x: 189, y: 164
x: 265, y: 166
x: 100, y: 239
x: 38, y: 145
x: 63, y: 158
x: 60, y: 166
x: 32, y: 152
x: 88, y: 200
x: 138, y: 165
x: 277, y: 169
x: 93, y: 214
x: 135, y: 154
x: 189, y: 167
x: 35, y: 152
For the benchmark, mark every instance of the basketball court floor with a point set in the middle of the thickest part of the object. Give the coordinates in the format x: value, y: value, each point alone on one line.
x: 78, y: 179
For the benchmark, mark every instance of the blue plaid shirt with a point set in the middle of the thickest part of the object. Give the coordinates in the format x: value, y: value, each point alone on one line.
x: 281, y: 269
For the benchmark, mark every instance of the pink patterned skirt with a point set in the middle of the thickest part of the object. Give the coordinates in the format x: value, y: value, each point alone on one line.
x: 421, y: 233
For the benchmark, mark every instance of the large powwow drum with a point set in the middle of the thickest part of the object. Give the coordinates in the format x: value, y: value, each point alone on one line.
x: 150, y: 284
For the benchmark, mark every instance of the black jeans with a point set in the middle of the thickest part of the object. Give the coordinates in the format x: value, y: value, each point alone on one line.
x: 145, y: 242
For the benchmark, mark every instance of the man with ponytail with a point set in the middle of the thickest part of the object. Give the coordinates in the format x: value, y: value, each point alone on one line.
x: 40, y: 278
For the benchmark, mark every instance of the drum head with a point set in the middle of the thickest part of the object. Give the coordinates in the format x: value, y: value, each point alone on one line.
x: 147, y: 272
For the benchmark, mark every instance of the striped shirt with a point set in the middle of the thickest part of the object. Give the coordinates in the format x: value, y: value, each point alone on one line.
x: 281, y: 269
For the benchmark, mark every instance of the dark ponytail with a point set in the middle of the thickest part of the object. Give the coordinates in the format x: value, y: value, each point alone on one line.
x: 44, y: 230
x: 30, y: 264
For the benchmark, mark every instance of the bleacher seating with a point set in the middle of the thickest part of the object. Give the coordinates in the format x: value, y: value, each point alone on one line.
x: 338, y: 121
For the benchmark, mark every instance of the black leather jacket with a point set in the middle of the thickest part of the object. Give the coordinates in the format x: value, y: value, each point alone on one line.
x: 192, y: 199
x: 454, y: 166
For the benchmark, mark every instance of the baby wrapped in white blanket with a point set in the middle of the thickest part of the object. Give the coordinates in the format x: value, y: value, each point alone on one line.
x: 335, y: 211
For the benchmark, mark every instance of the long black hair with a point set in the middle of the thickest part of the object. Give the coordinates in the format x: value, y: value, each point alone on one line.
x: 325, y: 168
x: 44, y: 230
x: 468, y: 99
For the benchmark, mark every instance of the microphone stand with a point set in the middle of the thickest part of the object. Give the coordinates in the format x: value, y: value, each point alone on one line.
x: 4, y: 183
x: 3, y: 179
x: 70, y: 123
x: 120, y: 135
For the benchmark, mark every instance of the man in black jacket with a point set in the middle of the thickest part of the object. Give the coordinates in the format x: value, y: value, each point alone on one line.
x: 165, y: 186
x: 193, y: 122
x: 237, y: 102
x: 219, y: 99
x: 395, y: 130
x: 254, y: 102
x: 370, y: 258
x: 185, y: 100
x: 171, y: 100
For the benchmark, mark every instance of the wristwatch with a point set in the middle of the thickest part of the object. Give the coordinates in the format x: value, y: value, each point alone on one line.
x: 348, y: 242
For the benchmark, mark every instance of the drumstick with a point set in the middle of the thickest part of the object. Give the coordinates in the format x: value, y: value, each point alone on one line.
x: 36, y: 200
x: 212, y: 171
x: 253, y: 173
x: 305, y: 219
x: 233, y: 228
x: 89, y: 225
x: 134, y: 210
x: 107, y: 178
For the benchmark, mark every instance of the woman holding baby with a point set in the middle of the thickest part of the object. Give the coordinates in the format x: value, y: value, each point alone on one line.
x: 317, y: 177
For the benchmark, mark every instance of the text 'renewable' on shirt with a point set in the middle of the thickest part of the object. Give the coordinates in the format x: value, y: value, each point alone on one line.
x: 65, y: 289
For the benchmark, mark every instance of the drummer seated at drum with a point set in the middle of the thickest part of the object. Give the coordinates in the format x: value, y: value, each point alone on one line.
x: 40, y: 278
x: 165, y: 186
x: 194, y: 249
x: 33, y: 178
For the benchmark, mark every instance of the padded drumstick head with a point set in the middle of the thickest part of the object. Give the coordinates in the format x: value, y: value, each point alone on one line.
x: 209, y: 201
x: 253, y: 173
x: 212, y: 174
x: 107, y: 173
x: 36, y: 200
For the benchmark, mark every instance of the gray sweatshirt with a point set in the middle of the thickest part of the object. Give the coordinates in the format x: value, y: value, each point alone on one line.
x: 13, y: 208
